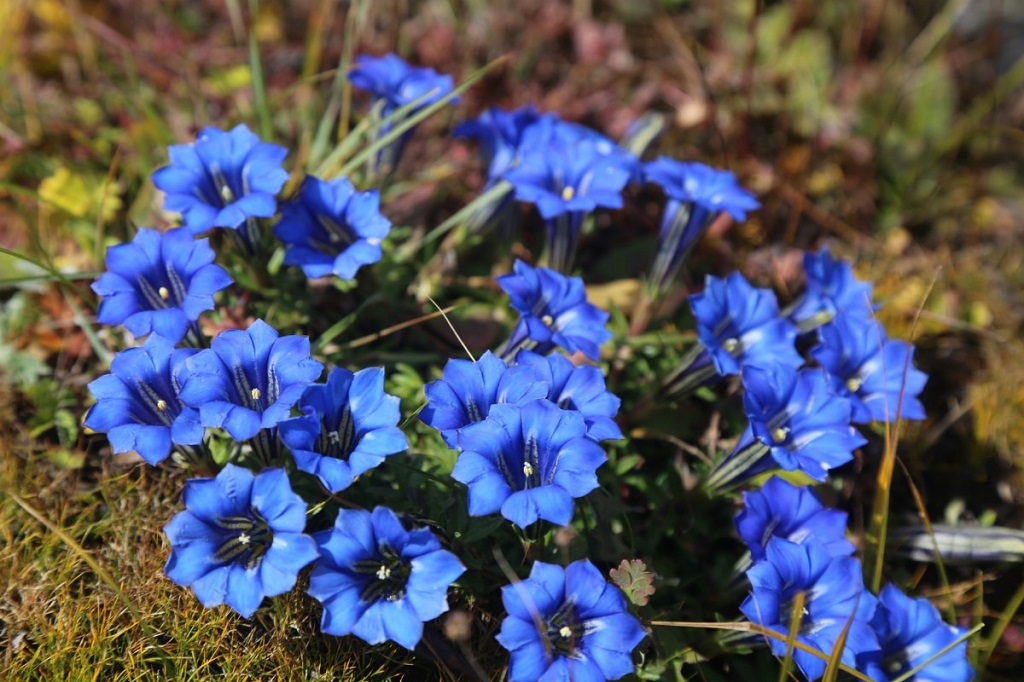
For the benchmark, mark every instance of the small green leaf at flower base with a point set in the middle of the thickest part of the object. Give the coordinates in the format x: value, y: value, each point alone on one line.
x: 634, y: 580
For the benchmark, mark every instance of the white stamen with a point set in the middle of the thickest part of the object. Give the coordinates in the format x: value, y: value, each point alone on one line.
x: 383, y: 573
x: 527, y: 469
x: 161, y: 405
x: 164, y: 293
x: 243, y: 538
x: 255, y: 393
x: 730, y: 345
x: 568, y: 193
x: 565, y: 632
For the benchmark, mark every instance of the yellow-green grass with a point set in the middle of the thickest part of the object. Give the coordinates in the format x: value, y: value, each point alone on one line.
x: 61, y: 620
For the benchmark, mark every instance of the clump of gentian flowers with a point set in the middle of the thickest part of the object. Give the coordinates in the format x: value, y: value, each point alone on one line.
x: 523, y: 435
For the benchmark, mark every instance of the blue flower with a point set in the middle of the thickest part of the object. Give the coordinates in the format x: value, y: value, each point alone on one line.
x: 553, y: 312
x: 223, y: 179
x: 696, y: 194
x: 832, y: 288
x: 567, y: 182
x: 348, y: 426
x: 528, y: 462
x: 395, y: 81
x: 499, y: 134
x: 550, y: 131
x: 779, y: 509
x: 159, y: 283
x: 911, y: 631
x: 560, y: 182
x: 137, y: 404
x: 331, y: 229
x: 579, y: 388
x: 875, y: 372
x: 248, y: 380
x: 239, y: 539
x: 834, y: 599
x: 797, y: 416
x: 740, y: 325
x: 567, y: 625
x: 466, y: 391
x: 396, y: 84
x: 377, y: 580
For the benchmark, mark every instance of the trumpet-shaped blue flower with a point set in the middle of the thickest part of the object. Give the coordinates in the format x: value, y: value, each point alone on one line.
x: 567, y: 182
x: 396, y: 84
x: 348, y: 426
x: 832, y: 289
x: 528, y: 462
x: 554, y: 311
x: 779, y: 509
x: 875, y: 372
x: 550, y: 131
x: 567, y: 625
x: 696, y: 194
x: 331, y: 229
x: 248, y: 380
x: 377, y: 580
x: 740, y: 325
x: 797, y: 416
x: 240, y: 538
x: 499, y: 134
x: 223, y: 179
x: 466, y: 391
x: 137, y: 404
x: 911, y: 631
x: 559, y: 182
x: 395, y: 81
x: 579, y: 388
x: 834, y: 599
x: 159, y: 283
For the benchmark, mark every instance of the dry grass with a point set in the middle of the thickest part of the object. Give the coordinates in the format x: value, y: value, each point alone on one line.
x: 61, y: 621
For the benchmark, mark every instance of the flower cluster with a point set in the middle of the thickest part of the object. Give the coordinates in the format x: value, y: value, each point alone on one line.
x: 803, y: 573
x: 527, y: 422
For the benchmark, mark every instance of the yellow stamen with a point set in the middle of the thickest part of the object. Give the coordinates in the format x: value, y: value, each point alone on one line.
x: 161, y: 405
x: 527, y: 469
x: 779, y: 435
x: 164, y: 293
x: 568, y: 193
x: 565, y: 632
x: 255, y: 393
